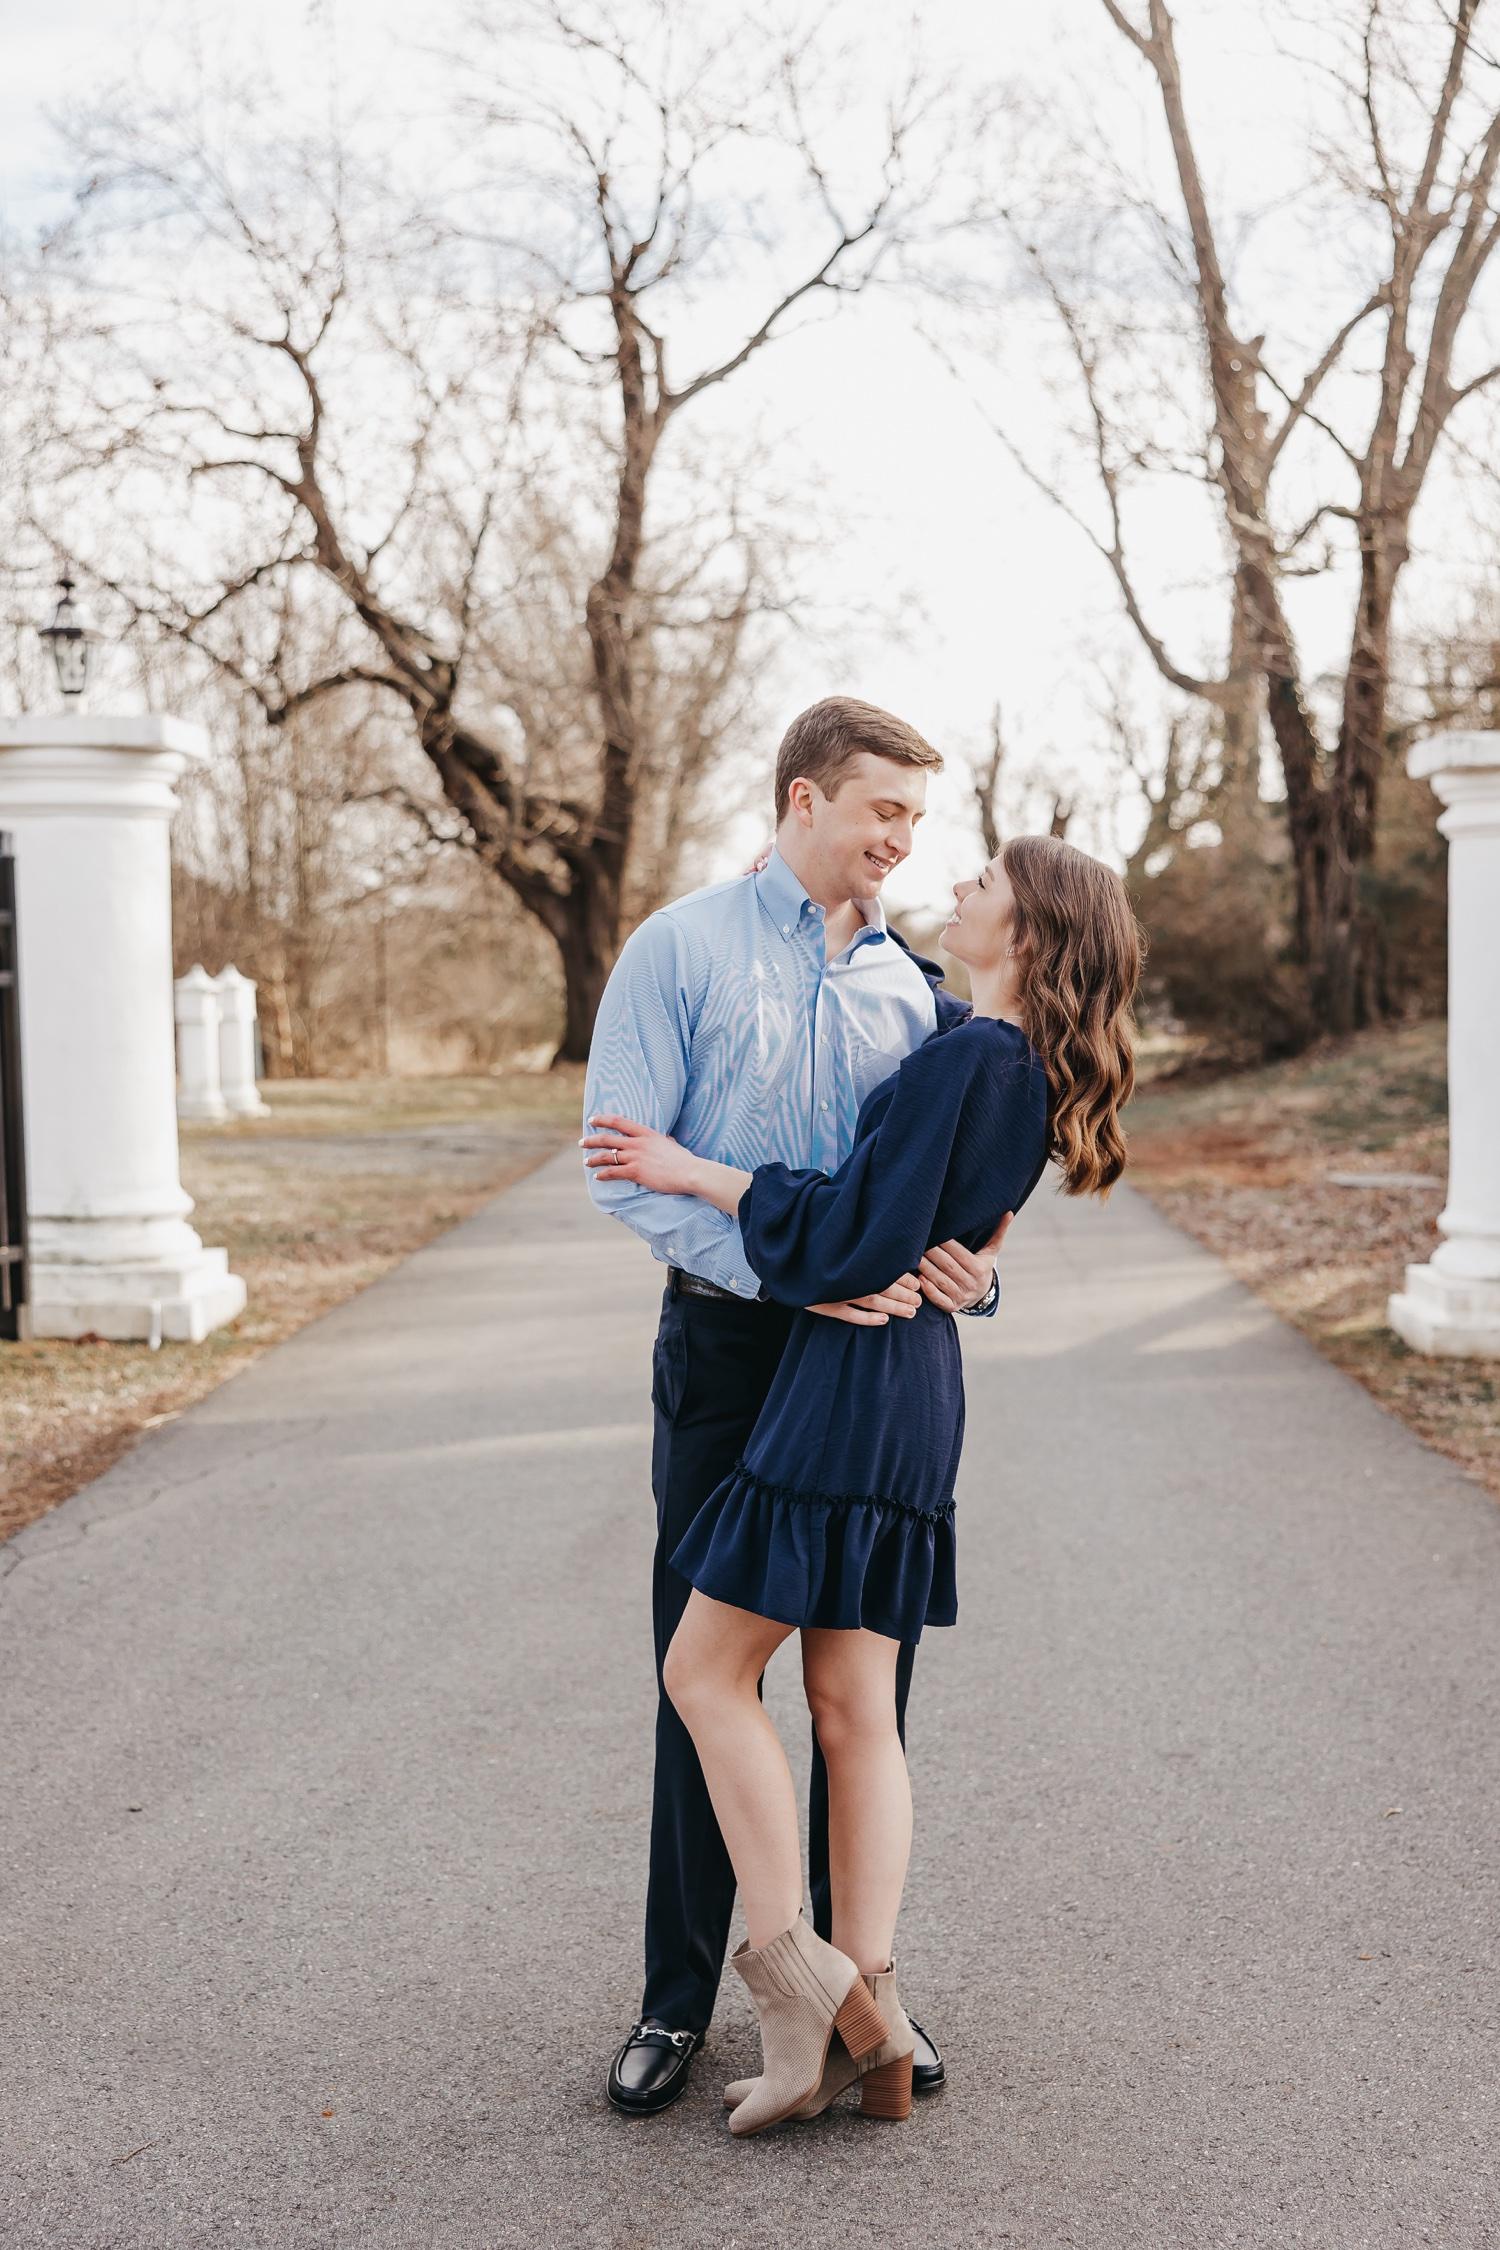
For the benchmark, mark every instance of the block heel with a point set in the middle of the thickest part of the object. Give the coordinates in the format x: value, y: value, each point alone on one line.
x: 892, y: 2095
x: 792, y: 1980
x: 886, y: 2090
x: 859, y: 2023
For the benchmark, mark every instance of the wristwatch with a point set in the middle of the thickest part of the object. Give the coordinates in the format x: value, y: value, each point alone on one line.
x: 991, y: 1297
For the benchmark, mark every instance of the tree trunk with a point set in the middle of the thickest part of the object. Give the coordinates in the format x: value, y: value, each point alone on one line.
x: 586, y: 929
x: 1338, y: 940
x: 585, y: 974
x: 1237, y: 803
x: 1345, y: 955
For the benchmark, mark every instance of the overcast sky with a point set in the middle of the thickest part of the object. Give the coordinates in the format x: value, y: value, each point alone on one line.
x: 1002, y: 597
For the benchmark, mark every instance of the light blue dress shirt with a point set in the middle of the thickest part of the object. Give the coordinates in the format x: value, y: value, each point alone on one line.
x: 724, y: 1024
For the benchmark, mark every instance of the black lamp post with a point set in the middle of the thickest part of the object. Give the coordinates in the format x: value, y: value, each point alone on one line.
x: 72, y: 642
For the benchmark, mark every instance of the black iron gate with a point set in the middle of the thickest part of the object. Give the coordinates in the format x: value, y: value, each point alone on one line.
x: 12, y: 1135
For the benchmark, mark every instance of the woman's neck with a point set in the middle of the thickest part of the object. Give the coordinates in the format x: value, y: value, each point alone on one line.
x: 996, y: 992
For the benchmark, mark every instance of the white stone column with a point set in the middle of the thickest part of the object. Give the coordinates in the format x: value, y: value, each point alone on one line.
x: 237, y: 1044
x: 1452, y: 1304
x: 195, y: 1002
x: 89, y: 801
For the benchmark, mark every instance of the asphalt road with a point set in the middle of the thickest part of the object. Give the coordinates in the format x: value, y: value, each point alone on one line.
x: 324, y: 1778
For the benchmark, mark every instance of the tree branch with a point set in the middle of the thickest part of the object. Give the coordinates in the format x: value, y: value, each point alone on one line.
x: 1123, y: 23
x: 1311, y: 382
x: 352, y: 675
x: 672, y: 400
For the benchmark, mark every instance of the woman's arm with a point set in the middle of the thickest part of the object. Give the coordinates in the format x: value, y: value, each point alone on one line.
x: 626, y: 1150
x: 719, y: 1184
x: 959, y: 1142
x: 724, y: 1186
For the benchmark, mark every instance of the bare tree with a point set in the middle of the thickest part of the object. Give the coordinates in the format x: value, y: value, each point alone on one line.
x: 1177, y: 798
x: 32, y: 331
x: 525, y: 329
x: 276, y: 844
x: 1437, y: 203
x: 986, y: 787
x: 986, y: 775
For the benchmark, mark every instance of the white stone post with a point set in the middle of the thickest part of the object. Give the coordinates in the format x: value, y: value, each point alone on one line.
x: 1452, y: 1304
x: 89, y: 801
x: 237, y: 1044
x: 196, y: 1006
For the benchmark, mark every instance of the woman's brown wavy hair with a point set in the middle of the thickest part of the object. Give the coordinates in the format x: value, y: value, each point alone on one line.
x: 1080, y: 950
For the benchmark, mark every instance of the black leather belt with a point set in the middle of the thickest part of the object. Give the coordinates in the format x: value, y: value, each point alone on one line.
x: 693, y: 1285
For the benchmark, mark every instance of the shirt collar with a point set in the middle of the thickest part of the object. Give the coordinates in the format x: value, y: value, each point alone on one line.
x: 785, y: 899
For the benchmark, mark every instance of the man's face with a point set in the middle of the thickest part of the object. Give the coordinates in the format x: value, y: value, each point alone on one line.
x: 868, y: 826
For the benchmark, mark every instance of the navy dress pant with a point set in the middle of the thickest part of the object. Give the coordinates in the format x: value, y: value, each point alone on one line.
x: 711, y: 1368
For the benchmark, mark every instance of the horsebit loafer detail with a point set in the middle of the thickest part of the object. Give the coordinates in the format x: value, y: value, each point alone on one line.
x: 652, y: 2067
x: 927, y: 2072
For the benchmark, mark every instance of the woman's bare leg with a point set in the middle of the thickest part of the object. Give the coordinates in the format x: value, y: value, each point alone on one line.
x: 716, y: 1656
x: 850, y: 1678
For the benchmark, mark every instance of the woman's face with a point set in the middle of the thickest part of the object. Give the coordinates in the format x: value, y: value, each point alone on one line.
x: 983, y: 918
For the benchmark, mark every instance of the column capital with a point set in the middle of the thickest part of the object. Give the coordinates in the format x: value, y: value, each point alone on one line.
x: 68, y: 730
x: 72, y: 764
x: 1464, y: 770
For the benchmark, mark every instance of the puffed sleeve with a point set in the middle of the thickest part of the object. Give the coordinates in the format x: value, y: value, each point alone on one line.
x: 961, y: 1141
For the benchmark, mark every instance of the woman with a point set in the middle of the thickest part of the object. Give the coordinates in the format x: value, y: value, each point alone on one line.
x: 838, y: 1522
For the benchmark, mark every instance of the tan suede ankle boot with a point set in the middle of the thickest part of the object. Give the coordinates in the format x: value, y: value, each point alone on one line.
x: 884, y: 2074
x: 803, y: 1989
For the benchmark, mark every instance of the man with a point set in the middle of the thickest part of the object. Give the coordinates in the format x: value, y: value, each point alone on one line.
x: 750, y: 1019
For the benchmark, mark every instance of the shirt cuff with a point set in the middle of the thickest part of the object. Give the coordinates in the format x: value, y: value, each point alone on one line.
x: 727, y: 1265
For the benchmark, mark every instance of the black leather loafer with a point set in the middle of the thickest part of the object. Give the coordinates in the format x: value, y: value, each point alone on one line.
x: 927, y: 2072
x: 652, y: 2068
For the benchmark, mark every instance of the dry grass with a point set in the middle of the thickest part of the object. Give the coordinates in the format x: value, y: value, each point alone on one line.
x: 1243, y: 1162
x: 344, y: 1179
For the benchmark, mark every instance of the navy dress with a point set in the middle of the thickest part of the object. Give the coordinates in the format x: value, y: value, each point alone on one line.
x: 840, y: 1511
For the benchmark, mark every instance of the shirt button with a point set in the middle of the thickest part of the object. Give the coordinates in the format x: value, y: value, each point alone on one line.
x: 786, y: 929
x: 822, y: 1105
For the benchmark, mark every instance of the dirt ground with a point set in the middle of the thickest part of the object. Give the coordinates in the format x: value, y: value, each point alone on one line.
x: 1318, y: 1181
x: 343, y: 1179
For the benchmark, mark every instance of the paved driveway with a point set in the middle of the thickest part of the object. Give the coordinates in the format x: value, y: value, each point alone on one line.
x: 326, y: 1744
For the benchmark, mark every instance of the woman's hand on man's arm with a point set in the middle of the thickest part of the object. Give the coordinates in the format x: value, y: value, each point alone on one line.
x: 950, y: 1277
x: 622, y: 1149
